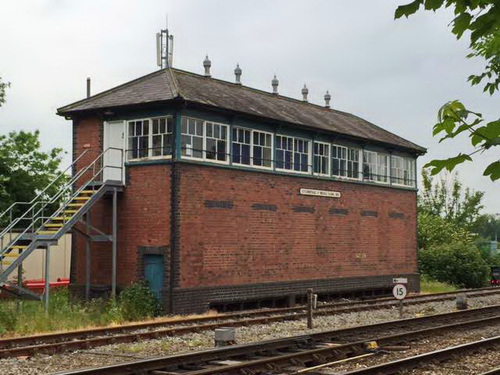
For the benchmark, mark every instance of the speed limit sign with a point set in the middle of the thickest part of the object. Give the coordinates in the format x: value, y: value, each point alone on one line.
x: 399, y: 291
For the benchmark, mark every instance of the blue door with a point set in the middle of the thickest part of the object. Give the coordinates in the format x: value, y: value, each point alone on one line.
x: 153, y: 273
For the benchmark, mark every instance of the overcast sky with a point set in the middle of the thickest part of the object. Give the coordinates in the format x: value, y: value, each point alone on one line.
x: 394, y: 73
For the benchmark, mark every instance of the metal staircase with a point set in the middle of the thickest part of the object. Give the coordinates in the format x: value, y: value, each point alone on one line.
x: 41, y: 225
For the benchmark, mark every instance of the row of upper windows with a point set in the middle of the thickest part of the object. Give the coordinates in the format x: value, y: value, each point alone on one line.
x: 209, y: 141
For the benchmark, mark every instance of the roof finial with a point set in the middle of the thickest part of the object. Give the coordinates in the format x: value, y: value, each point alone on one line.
x: 305, y: 91
x: 207, y: 64
x: 275, y: 84
x: 328, y: 97
x: 237, y: 73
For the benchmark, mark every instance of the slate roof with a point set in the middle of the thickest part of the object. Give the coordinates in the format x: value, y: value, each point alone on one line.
x: 169, y: 84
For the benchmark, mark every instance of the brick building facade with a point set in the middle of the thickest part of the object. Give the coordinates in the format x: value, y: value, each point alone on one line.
x: 244, y: 195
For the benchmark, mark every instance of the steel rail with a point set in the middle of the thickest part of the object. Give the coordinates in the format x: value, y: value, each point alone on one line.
x: 437, y: 355
x: 297, y: 349
x: 495, y: 371
x: 71, y: 340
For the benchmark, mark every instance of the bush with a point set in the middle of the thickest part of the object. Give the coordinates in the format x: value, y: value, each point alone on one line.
x: 456, y: 263
x: 138, y: 302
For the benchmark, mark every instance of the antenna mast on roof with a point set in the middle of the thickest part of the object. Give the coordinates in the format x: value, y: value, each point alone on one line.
x: 164, y: 48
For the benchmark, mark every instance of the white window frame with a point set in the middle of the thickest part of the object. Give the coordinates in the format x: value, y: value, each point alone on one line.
x: 374, y: 163
x: 150, y: 138
x: 348, y: 160
x: 328, y: 159
x: 228, y: 137
x: 309, y: 155
x: 410, y: 162
x: 252, y: 144
x: 378, y: 177
x: 204, y: 142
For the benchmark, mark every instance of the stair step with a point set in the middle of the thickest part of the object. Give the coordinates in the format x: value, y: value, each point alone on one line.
x: 52, y: 225
x: 87, y: 192
x: 63, y: 218
x: 75, y: 205
x: 70, y: 211
x: 10, y: 255
x: 19, y: 247
x: 46, y: 232
x: 81, y: 198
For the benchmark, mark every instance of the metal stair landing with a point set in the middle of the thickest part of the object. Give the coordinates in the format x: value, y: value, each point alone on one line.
x: 76, y: 198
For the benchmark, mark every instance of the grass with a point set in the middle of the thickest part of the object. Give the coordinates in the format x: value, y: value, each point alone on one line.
x: 21, y: 318
x: 430, y: 286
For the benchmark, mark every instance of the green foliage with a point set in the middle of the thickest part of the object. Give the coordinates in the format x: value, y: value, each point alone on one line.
x: 28, y: 317
x: 480, y: 19
x: 3, y: 87
x: 138, y: 302
x: 447, y: 199
x: 430, y: 286
x: 435, y: 230
x: 25, y: 170
x: 487, y: 226
x: 456, y: 263
x: 453, y: 120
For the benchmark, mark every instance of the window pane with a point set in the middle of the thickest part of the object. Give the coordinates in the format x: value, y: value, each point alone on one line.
x: 245, y: 154
x: 167, y: 144
x: 156, y: 145
x: 257, y: 155
x: 280, y: 157
x: 221, y: 150
x: 184, y: 125
x: 236, y: 153
x: 267, y: 157
x: 211, y: 148
x: 197, y: 147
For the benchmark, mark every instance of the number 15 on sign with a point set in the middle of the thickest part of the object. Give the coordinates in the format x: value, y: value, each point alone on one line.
x: 399, y: 291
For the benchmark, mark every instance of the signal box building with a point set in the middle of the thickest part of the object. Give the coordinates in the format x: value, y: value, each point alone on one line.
x: 232, y: 195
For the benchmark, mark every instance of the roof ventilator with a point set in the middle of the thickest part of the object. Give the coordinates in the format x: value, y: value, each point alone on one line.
x: 275, y: 84
x: 207, y: 64
x: 328, y: 97
x: 305, y: 91
x: 237, y: 73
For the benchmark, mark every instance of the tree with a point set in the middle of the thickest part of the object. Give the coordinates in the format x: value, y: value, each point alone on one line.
x: 3, y: 87
x: 25, y: 170
x: 447, y: 199
x: 481, y: 20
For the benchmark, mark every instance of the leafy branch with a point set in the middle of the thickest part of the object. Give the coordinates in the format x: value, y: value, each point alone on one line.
x: 481, y: 19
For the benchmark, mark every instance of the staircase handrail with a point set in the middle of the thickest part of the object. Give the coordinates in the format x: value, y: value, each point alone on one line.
x: 11, y: 207
x: 36, y: 217
x: 52, y: 199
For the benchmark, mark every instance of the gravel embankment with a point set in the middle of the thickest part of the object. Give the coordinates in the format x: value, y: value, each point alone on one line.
x: 44, y: 364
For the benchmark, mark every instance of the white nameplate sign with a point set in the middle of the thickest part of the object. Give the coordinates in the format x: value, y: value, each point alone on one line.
x: 320, y: 193
x: 400, y: 280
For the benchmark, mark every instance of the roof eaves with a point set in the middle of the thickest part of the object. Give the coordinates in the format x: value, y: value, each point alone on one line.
x: 67, y: 108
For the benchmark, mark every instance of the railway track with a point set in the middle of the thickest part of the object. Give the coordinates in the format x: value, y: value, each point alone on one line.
x: 307, y: 353
x: 52, y: 343
x: 410, y: 363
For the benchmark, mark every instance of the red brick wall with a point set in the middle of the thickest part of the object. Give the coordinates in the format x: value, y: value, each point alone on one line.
x: 224, y: 246
x: 143, y: 214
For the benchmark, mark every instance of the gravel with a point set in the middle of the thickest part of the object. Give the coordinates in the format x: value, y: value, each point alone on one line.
x: 439, y: 340
x: 43, y: 364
